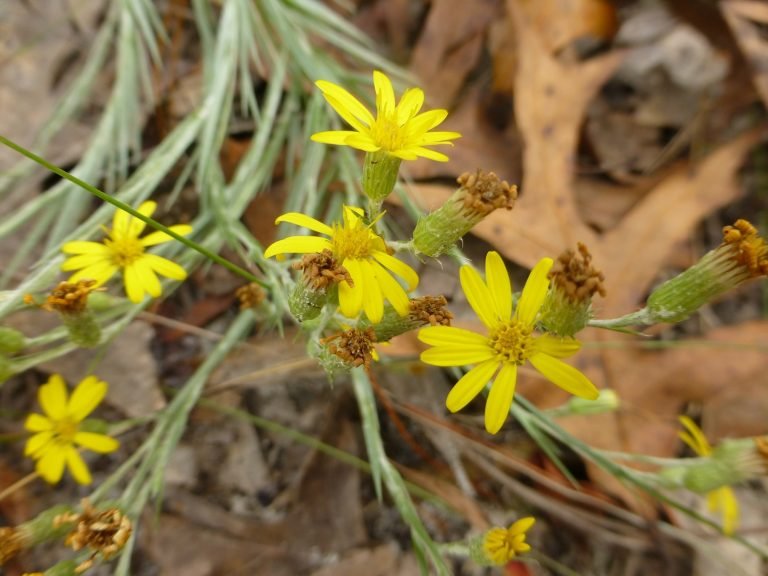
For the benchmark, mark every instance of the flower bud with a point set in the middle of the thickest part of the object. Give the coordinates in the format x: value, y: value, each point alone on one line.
x: 480, y: 194
x: 380, y: 171
x: 11, y: 340
x: 70, y: 300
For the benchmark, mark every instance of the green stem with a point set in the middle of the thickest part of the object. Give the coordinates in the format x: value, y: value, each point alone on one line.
x: 633, y: 319
x: 136, y: 214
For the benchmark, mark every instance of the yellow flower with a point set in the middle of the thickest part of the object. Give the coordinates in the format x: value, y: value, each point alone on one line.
x: 362, y: 253
x: 722, y: 499
x: 501, y: 545
x: 397, y: 129
x: 509, y: 343
x: 58, y: 432
x: 122, y: 249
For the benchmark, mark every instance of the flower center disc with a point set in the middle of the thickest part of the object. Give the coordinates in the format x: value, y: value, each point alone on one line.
x: 124, y: 251
x: 512, y: 342
x: 65, y: 430
x: 387, y: 133
x: 351, y: 243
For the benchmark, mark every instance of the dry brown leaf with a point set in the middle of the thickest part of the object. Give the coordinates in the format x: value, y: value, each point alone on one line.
x: 745, y: 18
x: 450, y: 45
x: 562, y: 22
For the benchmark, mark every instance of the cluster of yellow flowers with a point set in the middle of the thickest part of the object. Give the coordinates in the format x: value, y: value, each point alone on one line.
x: 348, y: 267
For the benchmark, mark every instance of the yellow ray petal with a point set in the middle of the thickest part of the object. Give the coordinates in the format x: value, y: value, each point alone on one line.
x: 298, y: 245
x: 101, y: 272
x: 534, y: 292
x: 37, y: 444
x: 373, y: 301
x: 500, y: 398
x: 695, y: 437
x: 37, y: 423
x: 362, y: 141
x: 84, y: 261
x: 565, y: 376
x: 77, y: 467
x: 164, y: 267
x: 399, y: 268
x: 351, y: 297
x: 147, y: 277
x: 346, y: 105
x: 86, y: 396
x: 392, y: 290
x: 159, y: 237
x: 478, y: 296
x: 499, y: 285
x: 53, y: 398
x: 470, y: 385
x: 385, y: 94
x: 450, y: 335
x: 84, y: 247
x: 305, y: 222
x: 414, y: 152
x: 134, y: 286
x: 425, y: 121
x: 410, y: 103
x: 96, y: 442
x: 557, y: 347
x: 461, y: 355
x: 50, y: 466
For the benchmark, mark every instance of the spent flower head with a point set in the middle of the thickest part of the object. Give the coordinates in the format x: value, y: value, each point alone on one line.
x: 397, y: 129
x: 574, y: 281
x: 742, y: 256
x: 123, y: 250
x: 508, y: 343
x: 479, y: 194
x: 362, y: 253
x: 59, y: 432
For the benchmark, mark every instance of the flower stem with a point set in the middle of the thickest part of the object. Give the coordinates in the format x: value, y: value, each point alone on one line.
x: 136, y: 214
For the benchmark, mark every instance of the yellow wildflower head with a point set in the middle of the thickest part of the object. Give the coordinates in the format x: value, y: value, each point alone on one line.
x: 508, y: 343
x: 58, y: 433
x: 397, y: 129
x: 502, y: 545
x: 123, y: 250
x: 362, y: 254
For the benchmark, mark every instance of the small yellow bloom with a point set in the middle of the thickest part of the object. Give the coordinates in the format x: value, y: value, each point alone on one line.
x: 57, y: 433
x: 722, y: 499
x: 122, y: 249
x: 398, y: 129
x: 362, y: 253
x: 509, y: 343
x: 501, y: 545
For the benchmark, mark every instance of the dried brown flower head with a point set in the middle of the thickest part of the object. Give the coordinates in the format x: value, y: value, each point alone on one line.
x: 575, y: 276
x: 11, y: 543
x: 322, y: 270
x: 354, y: 346
x: 430, y: 310
x: 747, y: 247
x: 70, y: 298
x: 484, y: 192
x: 105, y: 532
x: 250, y: 296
